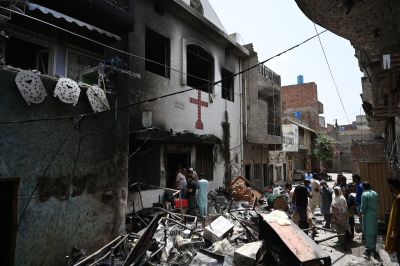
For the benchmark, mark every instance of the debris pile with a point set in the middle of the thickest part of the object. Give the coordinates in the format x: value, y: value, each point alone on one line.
x: 241, y: 232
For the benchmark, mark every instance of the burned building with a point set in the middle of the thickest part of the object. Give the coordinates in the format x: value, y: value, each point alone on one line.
x: 262, y: 157
x: 63, y: 169
x: 198, y: 125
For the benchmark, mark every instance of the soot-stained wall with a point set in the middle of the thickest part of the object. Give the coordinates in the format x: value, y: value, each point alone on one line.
x: 75, y: 170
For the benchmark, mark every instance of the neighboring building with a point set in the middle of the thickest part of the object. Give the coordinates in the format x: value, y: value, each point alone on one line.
x: 347, y: 136
x: 300, y: 103
x: 368, y: 25
x: 263, y: 160
x: 201, y: 127
x: 301, y: 113
x: 63, y: 171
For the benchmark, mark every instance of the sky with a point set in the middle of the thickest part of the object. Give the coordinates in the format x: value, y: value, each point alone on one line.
x: 275, y: 25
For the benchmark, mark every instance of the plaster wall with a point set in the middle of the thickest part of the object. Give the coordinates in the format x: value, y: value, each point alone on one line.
x: 176, y: 113
x: 72, y: 173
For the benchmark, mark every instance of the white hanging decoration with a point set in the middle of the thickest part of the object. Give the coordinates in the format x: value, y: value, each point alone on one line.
x: 97, y: 98
x: 67, y: 91
x: 30, y: 86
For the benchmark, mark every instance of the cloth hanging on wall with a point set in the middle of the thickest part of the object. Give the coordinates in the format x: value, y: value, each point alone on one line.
x: 67, y: 91
x: 30, y: 86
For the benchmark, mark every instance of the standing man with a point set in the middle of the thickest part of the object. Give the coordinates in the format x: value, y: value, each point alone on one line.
x: 202, y: 195
x: 300, y: 201
x: 359, y: 191
x: 326, y: 195
x: 191, y: 193
x: 308, y: 176
x: 369, y: 210
x: 181, y: 182
x: 393, y: 233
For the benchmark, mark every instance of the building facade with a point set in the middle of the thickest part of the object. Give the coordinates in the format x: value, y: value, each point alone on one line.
x: 63, y: 170
x: 262, y: 157
x: 200, y: 126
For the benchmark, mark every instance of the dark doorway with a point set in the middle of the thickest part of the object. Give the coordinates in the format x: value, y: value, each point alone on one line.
x: 284, y: 172
x: 8, y: 221
x: 247, y: 169
x: 174, y: 162
x: 271, y: 174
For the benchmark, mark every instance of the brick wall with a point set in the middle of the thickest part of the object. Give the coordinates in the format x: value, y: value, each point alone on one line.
x: 304, y: 98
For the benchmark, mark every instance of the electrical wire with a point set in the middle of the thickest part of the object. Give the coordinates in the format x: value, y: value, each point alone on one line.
x: 330, y: 71
x: 150, y: 99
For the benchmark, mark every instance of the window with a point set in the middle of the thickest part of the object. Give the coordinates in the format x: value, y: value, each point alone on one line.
x: 82, y: 67
x: 157, y: 50
x: 200, y: 68
x: 26, y: 55
x: 204, y: 161
x: 228, y: 85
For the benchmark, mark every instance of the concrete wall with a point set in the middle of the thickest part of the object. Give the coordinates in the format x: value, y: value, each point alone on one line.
x: 176, y: 113
x: 75, y: 170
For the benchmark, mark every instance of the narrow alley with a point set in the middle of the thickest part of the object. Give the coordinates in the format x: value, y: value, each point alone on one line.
x: 199, y: 132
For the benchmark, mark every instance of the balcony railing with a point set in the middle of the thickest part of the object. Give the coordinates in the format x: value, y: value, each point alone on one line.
x: 269, y: 74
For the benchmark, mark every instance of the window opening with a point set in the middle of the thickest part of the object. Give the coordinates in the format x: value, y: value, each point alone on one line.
x: 158, y: 50
x: 228, y: 85
x: 29, y: 56
x: 200, y: 68
x: 82, y: 67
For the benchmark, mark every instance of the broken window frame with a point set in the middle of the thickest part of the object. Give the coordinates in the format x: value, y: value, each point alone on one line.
x: 165, y: 61
x: 37, y: 39
x: 227, y: 85
x: 191, y: 80
x: 84, y: 53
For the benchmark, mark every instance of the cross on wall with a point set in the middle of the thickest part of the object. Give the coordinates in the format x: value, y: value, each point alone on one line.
x: 200, y: 103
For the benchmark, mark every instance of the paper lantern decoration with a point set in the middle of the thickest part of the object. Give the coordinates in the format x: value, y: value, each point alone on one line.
x: 30, y: 86
x: 97, y: 99
x: 67, y: 91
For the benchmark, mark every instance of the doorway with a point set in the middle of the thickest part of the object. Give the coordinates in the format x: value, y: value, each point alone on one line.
x: 8, y: 222
x: 174, y: 162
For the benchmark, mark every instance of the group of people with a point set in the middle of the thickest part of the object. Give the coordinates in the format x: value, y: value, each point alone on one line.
x: 194, y: 188
x: 340, y: 205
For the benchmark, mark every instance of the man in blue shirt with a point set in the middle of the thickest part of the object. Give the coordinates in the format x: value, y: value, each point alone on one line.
x: 359, y: 190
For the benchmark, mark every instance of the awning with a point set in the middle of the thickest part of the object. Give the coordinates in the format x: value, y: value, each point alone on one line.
x: 69, y: 19
x: 302, y: 126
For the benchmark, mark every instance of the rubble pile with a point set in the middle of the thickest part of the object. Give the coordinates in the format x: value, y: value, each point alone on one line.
x: 241, y: 230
